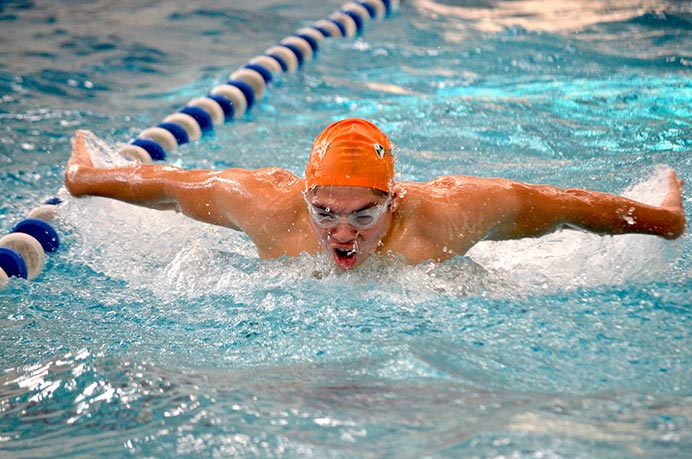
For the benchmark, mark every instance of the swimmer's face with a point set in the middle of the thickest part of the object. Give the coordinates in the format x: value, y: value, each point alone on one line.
x: 349, y: 221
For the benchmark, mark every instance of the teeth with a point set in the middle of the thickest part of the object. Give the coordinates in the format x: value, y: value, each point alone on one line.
x: 347, y: 253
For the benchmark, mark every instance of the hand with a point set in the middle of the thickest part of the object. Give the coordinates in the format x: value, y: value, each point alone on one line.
x: 673, y: 199
x: 673, y: 203
x: 79, y: 163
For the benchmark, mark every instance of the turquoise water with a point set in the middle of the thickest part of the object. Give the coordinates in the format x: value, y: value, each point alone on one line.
x: 148, y: 335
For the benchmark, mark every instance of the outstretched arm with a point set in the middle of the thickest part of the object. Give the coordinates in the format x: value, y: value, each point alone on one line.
x: 224, y: 198
x: 542, y: 209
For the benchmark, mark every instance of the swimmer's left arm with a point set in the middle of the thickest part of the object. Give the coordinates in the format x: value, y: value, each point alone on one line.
x: 542, y: 209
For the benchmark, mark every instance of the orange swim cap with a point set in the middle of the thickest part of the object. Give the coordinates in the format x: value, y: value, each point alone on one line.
x: 351, y: 152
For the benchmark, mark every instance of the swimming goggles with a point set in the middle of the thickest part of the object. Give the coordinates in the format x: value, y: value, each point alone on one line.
x: 361, y: 220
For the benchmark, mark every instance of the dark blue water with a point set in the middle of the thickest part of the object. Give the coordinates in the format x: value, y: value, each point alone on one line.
x: 149, y: 335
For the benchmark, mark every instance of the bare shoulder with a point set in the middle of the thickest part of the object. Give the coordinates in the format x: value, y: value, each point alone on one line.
x: 277, y: 176
x: 261, y: 192
x: 270, y: 209
x: 466, y: 182
x: 271, y: 183
x: 456, y: 189
x: 445, y: 216
x: 269, y: 178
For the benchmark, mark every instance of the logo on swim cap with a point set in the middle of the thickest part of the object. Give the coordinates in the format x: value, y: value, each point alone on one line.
x: 351, y: 152
x: 380, y: 150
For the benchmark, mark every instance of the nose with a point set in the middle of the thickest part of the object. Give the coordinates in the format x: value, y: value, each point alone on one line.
x: 343, y: 232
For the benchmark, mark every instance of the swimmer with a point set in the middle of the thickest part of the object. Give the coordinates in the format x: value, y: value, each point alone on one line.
x: 349, y: 205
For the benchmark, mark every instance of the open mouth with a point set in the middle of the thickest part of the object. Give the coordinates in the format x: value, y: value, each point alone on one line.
x: 345, y: 258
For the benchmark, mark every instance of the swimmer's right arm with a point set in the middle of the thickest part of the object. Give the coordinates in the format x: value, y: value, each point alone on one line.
x: 217, y: 197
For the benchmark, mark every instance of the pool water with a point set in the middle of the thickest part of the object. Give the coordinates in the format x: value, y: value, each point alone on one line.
x: 150, y: 335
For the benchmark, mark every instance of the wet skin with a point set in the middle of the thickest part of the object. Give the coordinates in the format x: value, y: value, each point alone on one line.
x: 345, y: 244
x: 434, y: 220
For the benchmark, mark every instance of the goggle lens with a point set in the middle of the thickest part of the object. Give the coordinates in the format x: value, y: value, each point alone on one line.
x: 362, y: 219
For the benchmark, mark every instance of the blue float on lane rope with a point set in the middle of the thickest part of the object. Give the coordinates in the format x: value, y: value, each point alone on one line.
x: 12, y: 263
x: 246, y: 89
x: 152, y: 147
x: 266, y: 74
x: 225, y: 104
x: 41, y: 231
x: 178, y: 132
x: 201, y: 116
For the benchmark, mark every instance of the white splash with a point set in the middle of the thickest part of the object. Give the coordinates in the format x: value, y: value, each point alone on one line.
x: 571, y: 258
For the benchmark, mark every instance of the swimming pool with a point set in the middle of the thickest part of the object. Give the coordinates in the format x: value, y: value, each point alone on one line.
x: 153, y: 336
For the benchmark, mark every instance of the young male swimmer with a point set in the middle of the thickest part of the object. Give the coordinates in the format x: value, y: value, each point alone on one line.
x: 349, y: 205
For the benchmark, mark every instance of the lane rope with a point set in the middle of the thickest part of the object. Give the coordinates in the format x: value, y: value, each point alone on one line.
x: 247, y: 85
x: 23, y: 250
